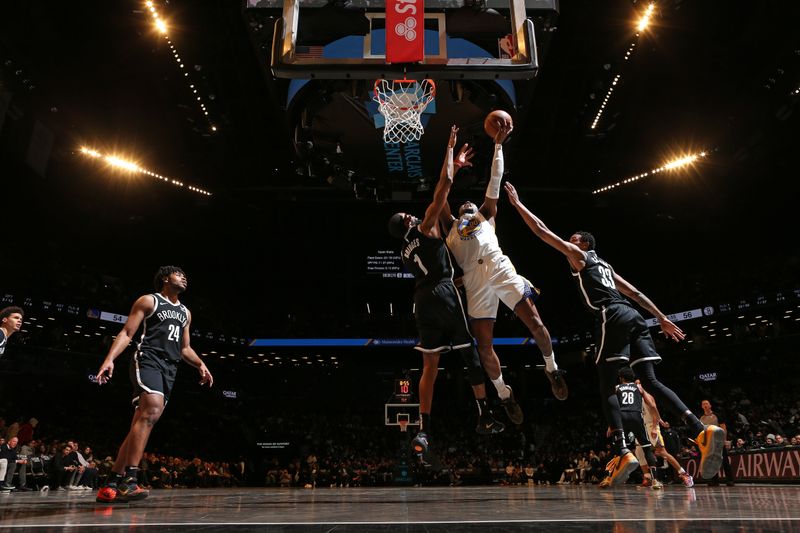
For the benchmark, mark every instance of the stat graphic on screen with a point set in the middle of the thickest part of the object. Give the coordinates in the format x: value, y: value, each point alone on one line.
x: 387, y: 264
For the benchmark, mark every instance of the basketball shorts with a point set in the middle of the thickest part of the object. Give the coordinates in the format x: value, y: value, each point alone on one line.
x: 622, y: 336
x: 152, y: 374
x: 495, y: 279
x: 632, y: 423
x: 439, y: 314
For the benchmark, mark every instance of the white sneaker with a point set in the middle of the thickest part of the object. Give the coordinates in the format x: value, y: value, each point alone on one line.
x: 72, y: 487
x: 60, y: 488
x: 45, y: 488
x: 84, y: 487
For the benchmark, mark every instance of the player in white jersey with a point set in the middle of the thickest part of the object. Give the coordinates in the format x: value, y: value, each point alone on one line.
x: 653, y: 423
x: 489, y: 277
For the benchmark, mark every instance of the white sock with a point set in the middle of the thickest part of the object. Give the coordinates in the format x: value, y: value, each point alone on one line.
x: 502, y: 389
x: 681, y: 471
x: 550, y: 362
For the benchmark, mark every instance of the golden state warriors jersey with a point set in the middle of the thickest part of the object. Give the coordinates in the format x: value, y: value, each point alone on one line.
x: 472, y: 238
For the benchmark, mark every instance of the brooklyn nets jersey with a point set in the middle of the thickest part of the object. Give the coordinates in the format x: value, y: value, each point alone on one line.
x: 426, y: 257
x: 596, y: 283
x: 3, y: 341
x: 162, y: 335
x: 472, y: 238
x: 630, y: 399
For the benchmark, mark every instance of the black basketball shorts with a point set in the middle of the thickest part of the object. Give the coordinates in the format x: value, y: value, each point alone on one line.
x: 441, y: 318
x: 622, y: 336
x: 152, y: 374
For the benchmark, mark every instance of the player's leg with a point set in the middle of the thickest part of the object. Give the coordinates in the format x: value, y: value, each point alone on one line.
x: 633, y: 423
x: 612, y: 352
x: 520, y: 295
x: 430, y: 369
x: 685, y: 478
x: 487, y: 424
x: 710, y: 440
x: 464, y: 344
x: 483, y: 330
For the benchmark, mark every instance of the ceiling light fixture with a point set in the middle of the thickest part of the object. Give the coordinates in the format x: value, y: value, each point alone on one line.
x: 669, y: 165
x: 130, y: 166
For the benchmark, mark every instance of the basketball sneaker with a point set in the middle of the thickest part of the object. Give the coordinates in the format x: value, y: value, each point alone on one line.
x: 687, y: 480
x: 130, y: 490
x: 557, y: 384
x: 657, y: 485
x: 619, y: 469
x: 487, y: 425
x: 420, y: 445
x: 710, y: 442
x: 513, y: 410
x: 108, y: 494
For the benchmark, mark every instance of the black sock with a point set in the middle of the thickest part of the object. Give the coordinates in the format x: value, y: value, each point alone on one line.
x: 131, y: 472
x: 114, y: 478
x: 426, y: 423
x: 618, y: 442
x: 694, y: 424
x: 483, y: 407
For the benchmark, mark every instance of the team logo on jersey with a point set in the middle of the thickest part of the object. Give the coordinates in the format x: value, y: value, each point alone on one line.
x: 467, y: 227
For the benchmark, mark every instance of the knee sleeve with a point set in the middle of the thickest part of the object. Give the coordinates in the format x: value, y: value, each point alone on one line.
x: 474, y: 369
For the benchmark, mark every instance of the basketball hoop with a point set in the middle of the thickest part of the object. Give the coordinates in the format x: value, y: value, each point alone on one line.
x: 402, y: 102
x: 403, y: 425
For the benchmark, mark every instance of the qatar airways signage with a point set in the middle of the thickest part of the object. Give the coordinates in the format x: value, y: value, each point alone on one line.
x: 782, y: 464
x: 405, y: 31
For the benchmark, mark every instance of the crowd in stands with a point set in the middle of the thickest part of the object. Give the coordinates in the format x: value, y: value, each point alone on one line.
x: 347, y: 451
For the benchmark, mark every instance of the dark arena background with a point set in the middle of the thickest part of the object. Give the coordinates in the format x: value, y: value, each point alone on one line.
x: 241, y: 140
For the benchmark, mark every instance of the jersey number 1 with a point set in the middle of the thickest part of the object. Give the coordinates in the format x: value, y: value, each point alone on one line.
x: 174, y: 333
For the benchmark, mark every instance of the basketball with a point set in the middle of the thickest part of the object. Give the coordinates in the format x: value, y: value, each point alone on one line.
x: 492, y: 119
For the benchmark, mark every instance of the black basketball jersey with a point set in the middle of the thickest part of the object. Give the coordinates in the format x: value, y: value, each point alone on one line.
x: 426, y: 257
x: 162, y: 335
x: 630, y: 399
x: 3, y: 341
x: 596, y: 283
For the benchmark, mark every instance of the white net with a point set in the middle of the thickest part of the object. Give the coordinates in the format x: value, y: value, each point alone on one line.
x: 401, y: 102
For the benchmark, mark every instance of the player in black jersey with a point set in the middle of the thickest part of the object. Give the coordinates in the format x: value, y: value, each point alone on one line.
x: 629, y: 396
x: 622, y: 337
x: 163, y: 343
x: 439, y: 314
x: 10, y: 323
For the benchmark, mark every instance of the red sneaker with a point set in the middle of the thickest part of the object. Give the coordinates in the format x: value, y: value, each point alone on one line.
x: 108, y: 495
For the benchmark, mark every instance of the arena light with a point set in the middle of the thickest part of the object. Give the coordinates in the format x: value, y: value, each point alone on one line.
x: 162, y: 28
x: 673, y: 164
x: 127, y: 165
x: 644, y: 22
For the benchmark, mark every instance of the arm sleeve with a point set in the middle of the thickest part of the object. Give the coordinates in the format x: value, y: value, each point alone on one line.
x: 493, y: 189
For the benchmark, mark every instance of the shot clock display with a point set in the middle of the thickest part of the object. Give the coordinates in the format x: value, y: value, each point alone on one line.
x: 402, y: 390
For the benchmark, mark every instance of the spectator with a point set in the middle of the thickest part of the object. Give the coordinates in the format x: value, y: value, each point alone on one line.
x: 26, y: 431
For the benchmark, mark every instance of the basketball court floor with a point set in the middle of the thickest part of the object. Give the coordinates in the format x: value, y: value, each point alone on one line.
x: 745, y: 508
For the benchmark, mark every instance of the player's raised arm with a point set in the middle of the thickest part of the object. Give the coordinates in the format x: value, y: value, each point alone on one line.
x: 668, y: 328
x: 575, y: 256
x: 141, y: 308
x: 489, y: 207
x: 429, y: 225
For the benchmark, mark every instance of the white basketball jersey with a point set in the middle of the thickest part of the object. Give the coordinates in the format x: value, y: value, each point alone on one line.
x: 472, y: 238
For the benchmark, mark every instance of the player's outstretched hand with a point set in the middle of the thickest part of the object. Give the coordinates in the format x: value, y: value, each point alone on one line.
x: 105, y: 373
x: 205, y: 376
x: 451, y: 143
x: 504, y: 129
x: 513, y: 197
x: 672, y: 331
x: 464, y: 157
